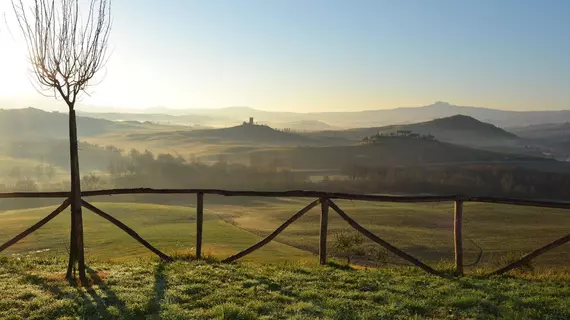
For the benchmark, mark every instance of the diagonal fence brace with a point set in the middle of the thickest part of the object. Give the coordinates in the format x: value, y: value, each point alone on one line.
x: 36, y: 226
x: 274, y: 234
x: 383, y: 243
x: 125, y: 228
x: 532, y: 255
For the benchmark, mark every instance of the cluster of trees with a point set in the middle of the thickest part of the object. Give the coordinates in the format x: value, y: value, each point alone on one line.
x: 144, y: 169
x: 400, y: 133
x: 489, y: 179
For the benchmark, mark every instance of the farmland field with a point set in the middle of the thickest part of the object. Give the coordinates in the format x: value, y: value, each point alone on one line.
x: 169, y: 228
x: 424, y: 230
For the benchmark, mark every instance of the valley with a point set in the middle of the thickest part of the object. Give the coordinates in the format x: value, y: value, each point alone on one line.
x: 455, y: 154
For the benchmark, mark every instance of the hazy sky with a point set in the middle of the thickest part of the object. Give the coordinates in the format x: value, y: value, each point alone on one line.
x: 305, y: 55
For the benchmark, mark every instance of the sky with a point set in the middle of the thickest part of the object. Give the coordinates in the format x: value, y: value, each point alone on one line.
x: 321, y: 55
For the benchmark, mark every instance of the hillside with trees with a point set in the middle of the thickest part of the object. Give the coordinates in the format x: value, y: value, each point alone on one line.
x: 392, y: 151
x: 458, y: 129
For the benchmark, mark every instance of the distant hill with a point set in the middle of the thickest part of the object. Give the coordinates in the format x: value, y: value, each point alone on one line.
x: 242, y: 133
x: 548, y: 131
x: 36, y: 123
x: 252, y: 133
x: 389, y: 151
x: 554, y: 136
x: 303, y: 125
x: 382, y: 117
x: 464, y: 130
x: 153, y: 117
x: 502, y: 118
x: 458, y: 129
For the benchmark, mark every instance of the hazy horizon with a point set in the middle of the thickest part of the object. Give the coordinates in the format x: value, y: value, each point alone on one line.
x: 320, y: 56
x: 56, y: 105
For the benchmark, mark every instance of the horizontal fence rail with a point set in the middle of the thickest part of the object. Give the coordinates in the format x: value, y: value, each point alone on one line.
x: 325, y: 199
x: 299, y: 194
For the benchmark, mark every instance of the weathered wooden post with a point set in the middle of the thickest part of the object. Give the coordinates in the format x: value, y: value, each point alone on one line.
x: 458, y: 237
x: 324, y: 228
x: 199, y: 223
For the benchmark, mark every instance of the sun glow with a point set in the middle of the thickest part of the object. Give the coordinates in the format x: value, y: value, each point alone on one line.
x: 14, y: 75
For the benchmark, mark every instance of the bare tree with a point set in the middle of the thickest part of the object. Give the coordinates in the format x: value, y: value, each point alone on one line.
x: 67, y: 47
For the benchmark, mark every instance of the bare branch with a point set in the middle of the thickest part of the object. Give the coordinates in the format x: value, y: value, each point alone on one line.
x: 66, y: 48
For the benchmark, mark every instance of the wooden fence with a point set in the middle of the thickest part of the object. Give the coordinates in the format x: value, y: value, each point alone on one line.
x: 326, y: 201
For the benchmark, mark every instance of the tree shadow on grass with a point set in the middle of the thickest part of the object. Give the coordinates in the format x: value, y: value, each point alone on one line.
x: 98, y: 298
x: 95, y: 305
x: 90, y: 302
x: 102, y: 303
x: 344, y: 267
x: 160, y: 285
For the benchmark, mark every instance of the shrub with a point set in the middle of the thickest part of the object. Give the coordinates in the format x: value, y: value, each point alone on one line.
x: 348, y: 245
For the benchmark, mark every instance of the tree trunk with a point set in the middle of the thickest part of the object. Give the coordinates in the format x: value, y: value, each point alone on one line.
x: 76, y: 253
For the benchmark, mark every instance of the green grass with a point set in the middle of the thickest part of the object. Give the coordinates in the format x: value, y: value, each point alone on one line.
x: 169, y: 228
x: 425, y: 230
x: 36, y: 289
x: 281, y: 280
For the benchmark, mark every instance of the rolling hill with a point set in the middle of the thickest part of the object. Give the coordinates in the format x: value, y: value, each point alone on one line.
x: 302, y: 125
x: 247, y: 133
x: 554, y: 137
x: 553, y: 132
x: 35, y: 123
x: 457, y: 129
x: 152, y: 117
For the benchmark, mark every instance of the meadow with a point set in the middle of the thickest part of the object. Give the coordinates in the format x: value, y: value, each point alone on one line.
x: 425, y: 230
x: 33, y: 288
x: 170, y: 228
x: 496, y: 232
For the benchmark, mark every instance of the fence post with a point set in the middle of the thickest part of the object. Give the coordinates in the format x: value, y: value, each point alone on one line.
x: 199, y: 223
x: 458, y: 237
x: 324, y: 228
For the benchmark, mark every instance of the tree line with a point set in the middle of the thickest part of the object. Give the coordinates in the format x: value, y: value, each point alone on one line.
x: 481, y: 179
x: 116, y: 168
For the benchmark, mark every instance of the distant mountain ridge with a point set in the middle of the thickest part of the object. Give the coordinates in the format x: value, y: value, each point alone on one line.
x: 371, y: 118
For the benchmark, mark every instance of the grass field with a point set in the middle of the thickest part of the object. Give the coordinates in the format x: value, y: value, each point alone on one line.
x: 143, y: 289
x: 169, y: 228
x: 424, y: 230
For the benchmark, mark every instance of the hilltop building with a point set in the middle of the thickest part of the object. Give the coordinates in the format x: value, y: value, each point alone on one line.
x: 251, y: 123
